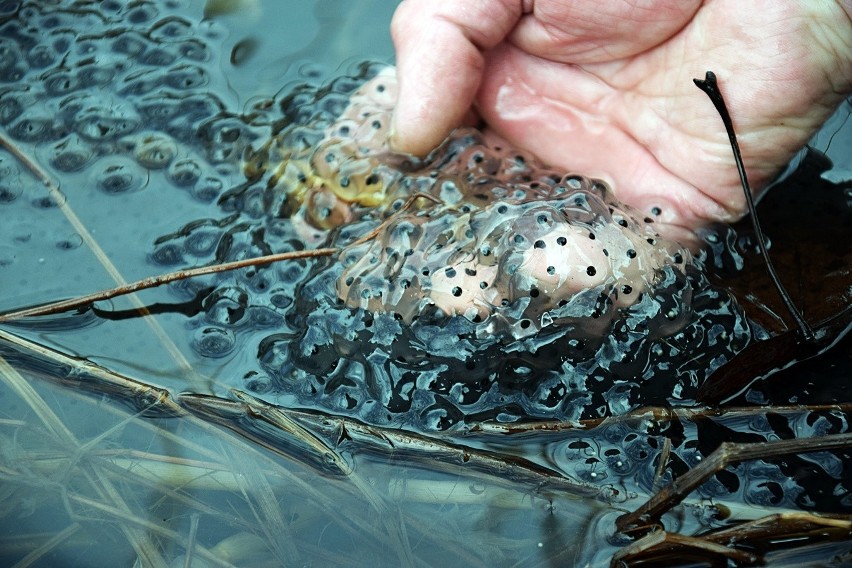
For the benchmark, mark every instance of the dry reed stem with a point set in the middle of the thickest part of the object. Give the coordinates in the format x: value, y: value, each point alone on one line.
x: 144, y: 548
x: 48, y: 546
x: 148, y: 526
x: 80, y: 228
x: 154, y: 281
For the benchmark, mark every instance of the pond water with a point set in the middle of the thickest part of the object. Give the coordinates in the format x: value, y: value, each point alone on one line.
x: 404, y: 440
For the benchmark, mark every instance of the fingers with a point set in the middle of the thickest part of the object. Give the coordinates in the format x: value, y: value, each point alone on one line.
x: 439, y: 47
x: 594, y: 32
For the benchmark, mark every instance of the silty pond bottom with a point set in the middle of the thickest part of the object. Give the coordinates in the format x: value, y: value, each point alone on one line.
x: 137, y: 108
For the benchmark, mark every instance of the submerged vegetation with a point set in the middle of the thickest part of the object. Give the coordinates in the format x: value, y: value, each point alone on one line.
x: 330, y: 397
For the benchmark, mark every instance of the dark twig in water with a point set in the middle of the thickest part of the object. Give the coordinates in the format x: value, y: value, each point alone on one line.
x: 154, y: 281
x: 95, y: 248
x: 711, y: 89
x: 727, y: 453
x: 655, y: 543
x: 659, y: 414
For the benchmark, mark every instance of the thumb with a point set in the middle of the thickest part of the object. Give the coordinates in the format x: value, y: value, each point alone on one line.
x: 439, y: 54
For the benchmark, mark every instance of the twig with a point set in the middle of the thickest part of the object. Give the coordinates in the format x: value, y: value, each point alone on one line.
x: 661, y: 542
x: 665, y: 454
x: 725, y: 454
x: 711, y: 89
x: 82, y: 374
x: 781, y: 525
x: 92, y: 244
x: 384, y: 441
x: 659, y: 414
x: 154, y: 281
x: 408, y: 203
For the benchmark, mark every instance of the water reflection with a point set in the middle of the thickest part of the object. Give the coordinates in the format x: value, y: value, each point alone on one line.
x: 91, y: 484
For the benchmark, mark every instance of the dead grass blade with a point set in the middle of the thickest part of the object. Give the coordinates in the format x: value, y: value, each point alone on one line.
x: 661, y: 544
x: 48, y: 546
x: 154, y: 281
x: 89, y: 240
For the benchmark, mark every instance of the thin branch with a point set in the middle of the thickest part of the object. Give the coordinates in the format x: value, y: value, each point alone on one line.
x: 92, y: 244
x: 408, y: 203
x: 711, y: 89
x: 154, y: 281
x: 725, y: 454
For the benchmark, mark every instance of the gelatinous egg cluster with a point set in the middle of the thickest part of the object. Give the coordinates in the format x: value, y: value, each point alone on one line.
x: 506, y: 291
x: 120, y: 93
x: 624, y: 457
x: 531, y: 263
x: 475, y: 283
x: 473, y: 231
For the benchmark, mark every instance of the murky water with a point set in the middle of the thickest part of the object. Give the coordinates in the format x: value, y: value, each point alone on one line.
x: 144, y: 116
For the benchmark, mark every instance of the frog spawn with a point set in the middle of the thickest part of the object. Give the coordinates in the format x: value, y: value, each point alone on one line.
x: 324, y: 176
x: 494, y: 240
x: 336, y: 357
x: 530, y: 264
x: 490, y: 285
x: 328, y: 167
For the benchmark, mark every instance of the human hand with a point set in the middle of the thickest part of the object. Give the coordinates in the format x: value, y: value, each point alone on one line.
x: 605, y: 89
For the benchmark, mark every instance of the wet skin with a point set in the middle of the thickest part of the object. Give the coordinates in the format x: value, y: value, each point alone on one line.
x: 606, y: 90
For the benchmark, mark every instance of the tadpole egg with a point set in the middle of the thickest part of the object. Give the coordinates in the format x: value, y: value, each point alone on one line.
x: 185, y: 172
x: 41, y: 56
x: 34, y: 129
x: 202, y: 241
x: 118, y: 174
x: 69, y: 242
x: 258, y: 383
x: 141, y: 13
x: 155, y: 151
x: 10, y: 192
x: 186, y: 77
x: 207, y: 189
x: 11, y: 106
x: 169, y: 254
x: 101, y: 125
x: 59, y: 83
x: 71, y: 155
x: 213, y: 341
